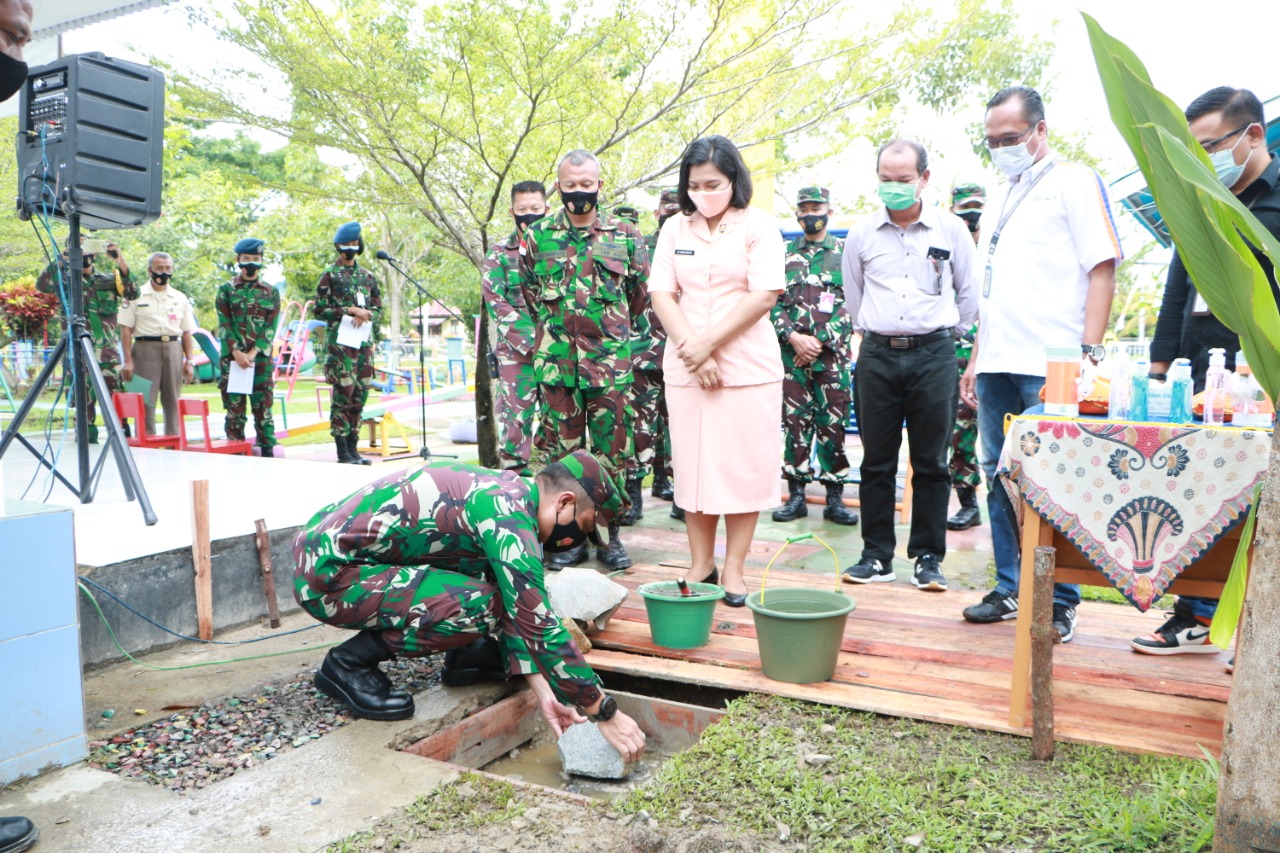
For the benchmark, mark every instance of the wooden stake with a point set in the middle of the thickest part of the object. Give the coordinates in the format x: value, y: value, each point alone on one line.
x: 263, y: 540
x: 1043, y: 638
x: 202, y: 558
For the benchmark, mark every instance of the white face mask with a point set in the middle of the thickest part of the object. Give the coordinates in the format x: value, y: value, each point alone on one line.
x: 1013, y: 160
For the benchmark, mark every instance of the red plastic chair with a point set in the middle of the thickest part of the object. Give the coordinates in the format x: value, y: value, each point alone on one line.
x: 189, y: 407
x: 129, y: 404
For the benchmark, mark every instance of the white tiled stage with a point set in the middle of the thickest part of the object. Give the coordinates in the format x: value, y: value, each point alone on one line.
x: 283, y: 492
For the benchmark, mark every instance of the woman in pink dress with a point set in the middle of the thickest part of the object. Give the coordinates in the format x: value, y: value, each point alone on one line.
x: 716, y: 272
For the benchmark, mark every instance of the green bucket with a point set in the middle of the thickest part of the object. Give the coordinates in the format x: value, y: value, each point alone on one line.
x: 680, y: 621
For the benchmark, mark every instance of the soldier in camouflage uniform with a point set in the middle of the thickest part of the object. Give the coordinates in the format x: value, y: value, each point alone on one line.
x: 348, y: 290
x: 586, y: 271
x: 247, y: 312
x: 448, y: 556
x: 511, y: 317
x: 815, y: 331
x: 103, y: 293
x: 967, y: 202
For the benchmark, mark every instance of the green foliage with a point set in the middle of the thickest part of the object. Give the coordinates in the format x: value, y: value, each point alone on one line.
x: 473, y: 800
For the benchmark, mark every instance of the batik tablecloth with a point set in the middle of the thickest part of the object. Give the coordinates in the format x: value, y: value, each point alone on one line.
x: 1142, y: 502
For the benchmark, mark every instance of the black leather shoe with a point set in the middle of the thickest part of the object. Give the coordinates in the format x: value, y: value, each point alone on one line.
x: 795, y: 507
x: 714, y: 577
x: 614, y: 557
x: 835, y: 509
x: 17, y: 834
x: 662, y: 488
x: 677, y: 512
x: 480, y: 660
x: 350, y: 674
x: 573, y: 557
x: 735, y: 599
x: 344, y: 455
x: 967, y: 515
x: 353, y: 448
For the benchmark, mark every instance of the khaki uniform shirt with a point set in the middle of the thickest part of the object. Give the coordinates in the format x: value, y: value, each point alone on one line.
x: 154, y: 314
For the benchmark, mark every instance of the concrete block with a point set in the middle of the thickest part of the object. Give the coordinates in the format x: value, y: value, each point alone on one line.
x: 584, y: 595
x: 585, y: 752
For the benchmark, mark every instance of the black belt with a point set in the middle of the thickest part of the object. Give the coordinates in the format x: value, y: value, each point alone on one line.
x: 908, y: 341
x: 164, y: 339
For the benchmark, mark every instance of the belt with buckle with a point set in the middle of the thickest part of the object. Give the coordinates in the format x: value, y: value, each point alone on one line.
x: 908, y: 341
x: 164, y: 339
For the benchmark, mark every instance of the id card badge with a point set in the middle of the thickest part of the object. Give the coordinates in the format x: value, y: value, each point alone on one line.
x: 359, y: 299
x: 986, y: 282
x: 1200, y: 308
x: 827, y: 302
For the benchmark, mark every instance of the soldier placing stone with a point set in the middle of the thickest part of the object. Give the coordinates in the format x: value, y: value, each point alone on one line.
x: 441, y: 556
x: 815, y: 332
x: 247, y: 313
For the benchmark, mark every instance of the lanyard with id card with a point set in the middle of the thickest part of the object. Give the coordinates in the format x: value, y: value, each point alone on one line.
x: 1004, y: 219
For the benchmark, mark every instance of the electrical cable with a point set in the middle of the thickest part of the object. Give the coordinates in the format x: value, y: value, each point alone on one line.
x: 116, y: 641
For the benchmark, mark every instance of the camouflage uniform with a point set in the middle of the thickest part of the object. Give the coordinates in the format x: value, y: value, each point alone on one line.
x: 816, y: 396
x: 510, y: 312
x: 648, y: 392
x: 247, y: 314
x: 349, y: 371
x: 964, y: 441
x: 434, y: 557
x: 587, y: 284
x: 102, y: 297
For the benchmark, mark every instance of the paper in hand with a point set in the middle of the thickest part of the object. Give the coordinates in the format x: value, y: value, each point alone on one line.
x: 351, y: 335
x: 239, y: 379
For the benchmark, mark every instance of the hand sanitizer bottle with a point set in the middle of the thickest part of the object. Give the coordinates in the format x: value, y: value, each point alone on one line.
x: 1180, y: 397
x: 1215, y: 388
x: 1119, y: 408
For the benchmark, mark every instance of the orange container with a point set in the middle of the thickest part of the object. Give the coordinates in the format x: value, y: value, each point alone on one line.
x: 1062, y: 381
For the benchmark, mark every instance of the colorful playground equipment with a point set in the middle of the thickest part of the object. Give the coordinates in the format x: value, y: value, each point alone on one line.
x: 291, y: 349
x: 207, y: 362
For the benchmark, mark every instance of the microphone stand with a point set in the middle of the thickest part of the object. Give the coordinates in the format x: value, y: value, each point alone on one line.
x: 423, y: 295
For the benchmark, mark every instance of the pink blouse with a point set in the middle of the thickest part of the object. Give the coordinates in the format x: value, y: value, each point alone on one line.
x: 710, y: 274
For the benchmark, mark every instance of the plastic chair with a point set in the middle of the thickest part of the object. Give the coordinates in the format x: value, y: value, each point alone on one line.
x: 189, y: 407
x: 129, y: 404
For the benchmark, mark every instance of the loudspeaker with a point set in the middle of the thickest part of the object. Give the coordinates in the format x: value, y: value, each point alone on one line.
x: 91, y: 142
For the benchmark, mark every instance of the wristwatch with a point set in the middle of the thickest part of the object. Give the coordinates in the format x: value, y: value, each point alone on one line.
x: 1096, y: 352
x: 605, y: 712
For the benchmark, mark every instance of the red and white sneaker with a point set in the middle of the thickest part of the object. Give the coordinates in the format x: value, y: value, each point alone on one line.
x: 1181, y: 634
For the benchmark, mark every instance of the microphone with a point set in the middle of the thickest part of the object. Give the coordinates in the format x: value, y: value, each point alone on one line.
x: 383, y: 256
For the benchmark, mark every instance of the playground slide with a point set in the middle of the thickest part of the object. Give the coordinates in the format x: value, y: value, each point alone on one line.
x: 207, y: 361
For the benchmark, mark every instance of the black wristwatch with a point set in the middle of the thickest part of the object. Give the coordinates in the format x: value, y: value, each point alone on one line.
x: 1096, y: 352
x: 605, y: 712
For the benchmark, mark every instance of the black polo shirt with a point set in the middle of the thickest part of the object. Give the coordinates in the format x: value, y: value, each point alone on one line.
x: 1182, y: 334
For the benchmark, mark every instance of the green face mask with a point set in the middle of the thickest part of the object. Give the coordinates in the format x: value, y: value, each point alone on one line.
x: 897, y: 196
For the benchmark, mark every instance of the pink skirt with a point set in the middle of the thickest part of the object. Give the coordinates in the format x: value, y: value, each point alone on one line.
x: 726, y: 447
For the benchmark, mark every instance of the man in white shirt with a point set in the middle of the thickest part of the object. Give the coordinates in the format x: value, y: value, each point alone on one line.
x: 155, y: 334
x: 908, y: 279
x: 1048, y: 260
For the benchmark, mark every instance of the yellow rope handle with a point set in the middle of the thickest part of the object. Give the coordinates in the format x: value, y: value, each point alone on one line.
x: 791, y: 539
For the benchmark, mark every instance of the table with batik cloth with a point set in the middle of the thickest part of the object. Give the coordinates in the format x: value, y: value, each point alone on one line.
x: 1149, y: 506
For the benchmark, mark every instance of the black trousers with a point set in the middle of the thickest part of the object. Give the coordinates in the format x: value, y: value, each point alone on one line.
x: 918, y: 386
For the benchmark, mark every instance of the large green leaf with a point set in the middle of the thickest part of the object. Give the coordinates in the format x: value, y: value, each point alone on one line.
x: 1230, y: 605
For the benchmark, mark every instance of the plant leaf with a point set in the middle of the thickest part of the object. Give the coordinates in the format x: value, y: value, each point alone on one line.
x: 1230, y: 605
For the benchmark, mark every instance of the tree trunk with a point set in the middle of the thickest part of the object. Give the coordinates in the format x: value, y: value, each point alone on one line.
x: 1248, y: 817
x: 486, y: 425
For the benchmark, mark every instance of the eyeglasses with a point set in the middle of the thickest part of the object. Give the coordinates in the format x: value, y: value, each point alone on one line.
x: 1213, y: 143
x: 1007, y: 141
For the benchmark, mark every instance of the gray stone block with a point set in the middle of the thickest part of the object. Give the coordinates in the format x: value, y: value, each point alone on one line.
x: 584, y: 595
x: 585, y: 752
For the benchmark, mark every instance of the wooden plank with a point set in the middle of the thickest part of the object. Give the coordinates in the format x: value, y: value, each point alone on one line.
x: 486, y: 735
x: 1043, y: 638
x: 262, y: 540
x: 202, y: 558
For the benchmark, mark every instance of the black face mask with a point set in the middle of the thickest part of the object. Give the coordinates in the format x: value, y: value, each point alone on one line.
x: 88, y: 261
x: 349, y: 254
x: 971, y: 217
x: 579, y: 202
x: 524, y: 220
x: 161, y: 278
x: 250, y: 270
x: 13, y: 74
x: 565, y: 537
x: 813, y: 223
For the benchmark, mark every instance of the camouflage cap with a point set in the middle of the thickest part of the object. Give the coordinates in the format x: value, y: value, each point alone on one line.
x: 822, y: 195
x: 962, y: 193
x: 600, y: 487
x: 627, y: 212
x: 669, y: 196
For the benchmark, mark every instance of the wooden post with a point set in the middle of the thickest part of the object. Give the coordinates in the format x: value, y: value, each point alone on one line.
x: 1043, y: 638
x: 263, y: 540
x: 202, y: 558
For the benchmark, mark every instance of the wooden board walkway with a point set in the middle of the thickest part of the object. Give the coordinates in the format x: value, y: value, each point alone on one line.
x: 908, y: 653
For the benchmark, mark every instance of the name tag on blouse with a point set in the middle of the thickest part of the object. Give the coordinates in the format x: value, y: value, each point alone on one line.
x: 684, y: 251
x: 359, y: 299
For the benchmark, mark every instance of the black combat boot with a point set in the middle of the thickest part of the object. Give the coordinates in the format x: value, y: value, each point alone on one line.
x: 350, y: 674
x: 636, y: 511
x: 353, y: 447
x: 836, y: 510
x: 662, y: 488
x: 614, y: 557
x: 554, y: 562
x: 481, y: 660
x: 344, y: 453
x: 795, y: 507
x: 967, y: 515
x: 677, y: 511
x: 266, y: 452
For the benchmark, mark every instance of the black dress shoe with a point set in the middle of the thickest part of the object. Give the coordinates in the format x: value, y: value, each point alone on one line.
x: 350, y: 674
x: 17, y: 834
x: 713, y: 578
x: 677, y: 512
x: 481, y: 660
x: 575, y: 556
x: 735, y: 599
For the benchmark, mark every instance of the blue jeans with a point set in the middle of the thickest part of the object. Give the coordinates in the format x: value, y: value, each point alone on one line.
x: 1000, y: 394
x: 1202, y: 608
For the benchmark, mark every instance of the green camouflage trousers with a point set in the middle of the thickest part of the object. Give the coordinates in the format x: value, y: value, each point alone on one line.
x: 964, y: 441
x: 517, y: 406
x: 103, y: 332
x: 599, y: 419
x: 651, y: 432
x: 815, y: 406
x: 260, y: 403
x: 350, y: 373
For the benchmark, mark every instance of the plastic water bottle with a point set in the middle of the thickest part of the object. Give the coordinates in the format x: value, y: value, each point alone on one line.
x: 1249, y: 405
x: 1120, y: 407
x: 1215, y: 388
x: 1180, y: 402
x: 1138, y: 389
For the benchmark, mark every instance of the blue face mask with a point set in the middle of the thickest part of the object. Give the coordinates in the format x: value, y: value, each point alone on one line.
x: 1225, y: 165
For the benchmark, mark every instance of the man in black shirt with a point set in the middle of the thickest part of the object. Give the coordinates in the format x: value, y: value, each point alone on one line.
x: 1231, y: 127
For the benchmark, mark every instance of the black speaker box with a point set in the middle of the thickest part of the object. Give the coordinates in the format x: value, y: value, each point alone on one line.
x: 91, y: 142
